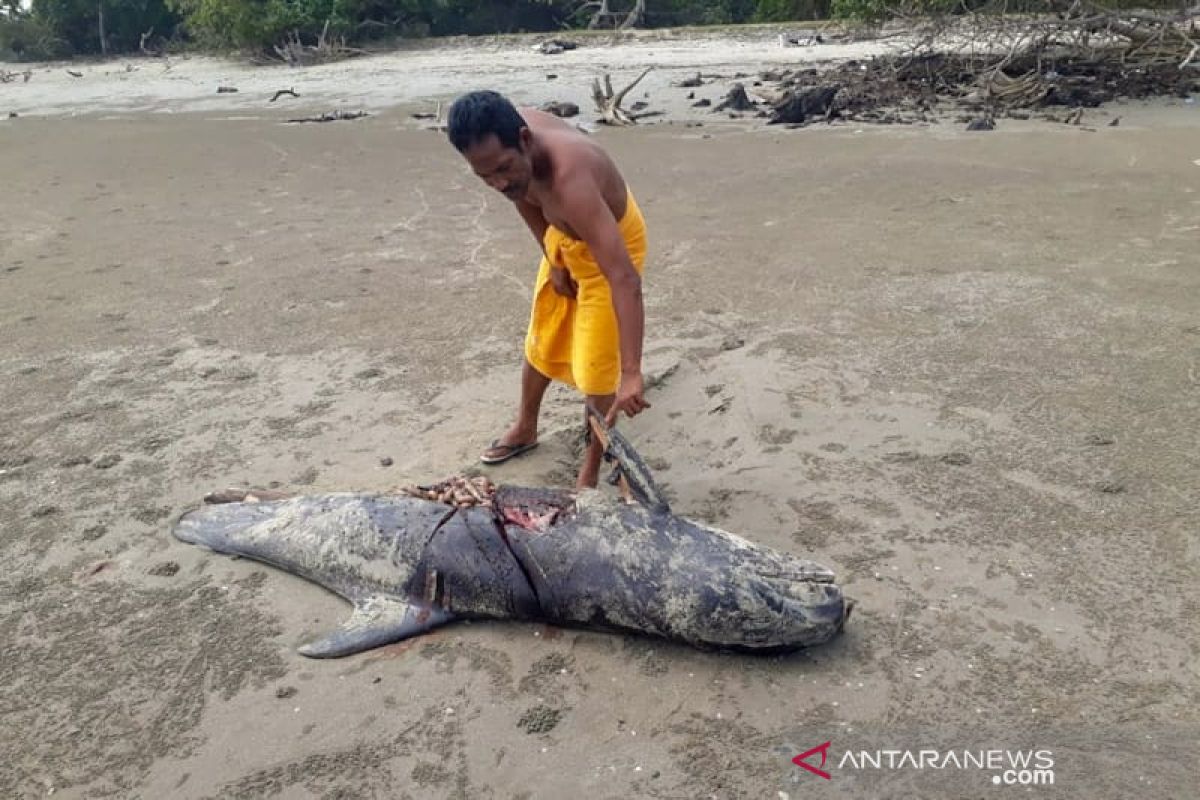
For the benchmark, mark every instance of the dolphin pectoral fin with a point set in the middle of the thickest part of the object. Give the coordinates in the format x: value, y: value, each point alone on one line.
x: 376, y: 621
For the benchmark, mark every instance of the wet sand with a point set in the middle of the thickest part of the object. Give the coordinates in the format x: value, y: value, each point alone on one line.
x: 959, y: 369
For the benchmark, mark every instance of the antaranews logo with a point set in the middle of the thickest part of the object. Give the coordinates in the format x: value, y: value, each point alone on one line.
x: 1009, y: 767
x: 822, y: 749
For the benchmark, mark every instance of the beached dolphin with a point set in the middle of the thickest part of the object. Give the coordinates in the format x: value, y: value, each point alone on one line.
x: 409, y: 564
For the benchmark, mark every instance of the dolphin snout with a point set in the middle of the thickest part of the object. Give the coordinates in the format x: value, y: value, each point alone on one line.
x: 804, y: 610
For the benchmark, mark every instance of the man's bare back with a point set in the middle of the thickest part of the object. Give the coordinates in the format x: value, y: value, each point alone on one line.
x: 571, y: 155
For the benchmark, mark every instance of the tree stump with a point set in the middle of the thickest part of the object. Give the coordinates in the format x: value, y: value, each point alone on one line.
x: 736, y: 100
x: 798, y: 106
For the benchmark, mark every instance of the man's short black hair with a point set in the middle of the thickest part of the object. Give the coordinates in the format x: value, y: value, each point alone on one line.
x: 476, y: 114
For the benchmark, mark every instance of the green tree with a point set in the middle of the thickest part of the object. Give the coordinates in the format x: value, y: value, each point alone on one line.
x: 786, y: 10
x: 100, y: 26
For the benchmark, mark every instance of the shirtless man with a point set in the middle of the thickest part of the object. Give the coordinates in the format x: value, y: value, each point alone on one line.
x: 585, y: 326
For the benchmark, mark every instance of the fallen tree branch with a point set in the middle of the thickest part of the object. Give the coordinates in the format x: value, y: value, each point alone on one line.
x: 332, y: 116
x: 295, y: 53
x: 609, y: 105
x: 1082, y: 54
x: 1190, y: 56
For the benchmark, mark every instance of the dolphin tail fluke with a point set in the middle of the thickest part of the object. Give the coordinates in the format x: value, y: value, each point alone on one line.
x: 376, y: 621
x: 215, y: 526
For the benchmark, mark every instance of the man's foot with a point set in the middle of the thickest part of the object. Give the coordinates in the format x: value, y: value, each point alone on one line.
x: 510, y: 445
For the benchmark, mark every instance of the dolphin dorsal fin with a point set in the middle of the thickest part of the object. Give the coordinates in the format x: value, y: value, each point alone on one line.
x: 376, y: 621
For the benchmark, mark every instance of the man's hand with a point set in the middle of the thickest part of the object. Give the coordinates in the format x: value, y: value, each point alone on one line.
x: 630, y: 397
x: 564, y: 284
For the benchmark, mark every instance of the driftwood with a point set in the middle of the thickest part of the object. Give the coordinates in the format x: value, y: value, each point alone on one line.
x: 609, y: 104
x: 296, y: 53
x: 282, y: 92
x: 604, y: 17
x: 332, y: 116
x: 438, y: 124
x: 992, y: 65
x: 248, y: 494
x: 1014, y: 56
x: 145, y: 37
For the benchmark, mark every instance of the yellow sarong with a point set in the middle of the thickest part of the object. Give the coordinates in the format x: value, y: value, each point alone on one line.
x: 576, y: 341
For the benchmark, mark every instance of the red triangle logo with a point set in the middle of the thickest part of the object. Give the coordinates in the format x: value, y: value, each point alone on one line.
x: 800, y: 762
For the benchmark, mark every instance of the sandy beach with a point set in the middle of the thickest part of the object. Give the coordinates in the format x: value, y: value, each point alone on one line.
x: 421, y: 74
x: 962, y: 369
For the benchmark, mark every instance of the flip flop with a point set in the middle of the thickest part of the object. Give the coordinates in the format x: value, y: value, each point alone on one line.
x: 509, y: 451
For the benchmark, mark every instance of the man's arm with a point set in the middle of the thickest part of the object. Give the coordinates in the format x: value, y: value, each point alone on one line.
x: 535, y: 219
x: 593, y: 221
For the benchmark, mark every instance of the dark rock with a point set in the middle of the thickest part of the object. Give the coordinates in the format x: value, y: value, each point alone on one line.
x: 732, y: 342
x: 561, y: 109
x: 93, y: 532
x: 552, y: 47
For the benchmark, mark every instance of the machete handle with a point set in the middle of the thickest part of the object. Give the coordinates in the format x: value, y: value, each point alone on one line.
x: 600, y: 431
